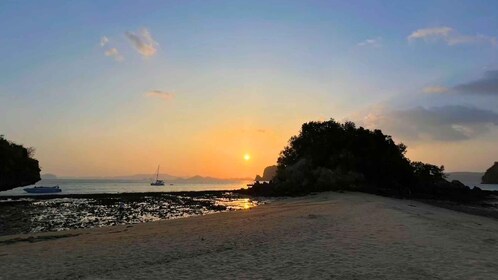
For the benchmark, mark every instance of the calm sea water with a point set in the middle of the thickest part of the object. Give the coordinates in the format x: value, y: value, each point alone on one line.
x: 89, y: 186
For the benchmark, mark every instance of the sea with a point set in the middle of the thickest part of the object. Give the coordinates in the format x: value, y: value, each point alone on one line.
x: 112, y: 186
x: 472, y: 179
x: 486, y: 187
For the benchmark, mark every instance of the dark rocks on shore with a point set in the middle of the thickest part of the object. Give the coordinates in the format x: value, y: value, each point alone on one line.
x: 60, y: 212
x: 491, y: 175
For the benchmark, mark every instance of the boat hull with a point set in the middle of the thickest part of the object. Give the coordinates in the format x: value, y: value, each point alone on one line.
x: 43, y: 190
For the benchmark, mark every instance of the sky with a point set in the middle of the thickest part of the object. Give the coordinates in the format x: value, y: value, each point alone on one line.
x: 108, y: 88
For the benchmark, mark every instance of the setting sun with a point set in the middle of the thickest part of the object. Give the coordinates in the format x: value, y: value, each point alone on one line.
x: 247, y: 157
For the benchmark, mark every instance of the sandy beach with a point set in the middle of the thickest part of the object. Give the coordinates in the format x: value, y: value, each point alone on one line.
x: 324, y: 236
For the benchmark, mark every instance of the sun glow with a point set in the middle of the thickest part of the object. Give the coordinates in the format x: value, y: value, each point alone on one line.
x: 247, y: 157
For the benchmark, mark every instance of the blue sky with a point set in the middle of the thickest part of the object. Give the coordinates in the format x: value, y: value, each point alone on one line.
x: 109, y: 88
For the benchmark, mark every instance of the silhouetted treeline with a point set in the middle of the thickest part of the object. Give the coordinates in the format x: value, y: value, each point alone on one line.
x: 17, y: 165
x: 333, y: 156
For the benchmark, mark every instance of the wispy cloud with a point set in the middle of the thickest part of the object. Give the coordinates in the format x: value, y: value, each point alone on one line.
x: 114, y: 53
x: 450, y: 36
x: 160, y: 94
x: 435, y: 89
x: 426, y: 33
x: 104, y: 41
x: 143, y: 42
x: 374, y: 42
x: 487, y: 85
x: 110, y: 52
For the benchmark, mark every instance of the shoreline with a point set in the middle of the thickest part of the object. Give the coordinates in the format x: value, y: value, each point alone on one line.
x: 114, y: 195
x: 325, y: 235
x: 51, y: 213
x: 18, y: 212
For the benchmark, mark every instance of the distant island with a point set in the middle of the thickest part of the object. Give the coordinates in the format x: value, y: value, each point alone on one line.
x: 48, y: 176
x: 149, y: 177
x: 466, y: 177
x: 268, y: 173
x: 491, y: 175
x: 335, y: 156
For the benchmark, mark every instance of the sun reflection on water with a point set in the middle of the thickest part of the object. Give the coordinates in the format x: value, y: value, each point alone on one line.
x: 238, y: 204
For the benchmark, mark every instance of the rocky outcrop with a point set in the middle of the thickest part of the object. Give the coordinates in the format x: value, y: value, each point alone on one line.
x: 17, y: 167
x: 268, y: 174
x: 491, y: 175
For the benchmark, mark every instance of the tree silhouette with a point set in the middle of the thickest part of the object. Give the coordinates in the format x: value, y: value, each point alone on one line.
x: 332, y: 156
x: 17, y: 165
x: 329, y: 155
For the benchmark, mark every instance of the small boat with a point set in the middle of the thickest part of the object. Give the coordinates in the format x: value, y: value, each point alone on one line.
x: 54, y: 189
x: 157, y: 182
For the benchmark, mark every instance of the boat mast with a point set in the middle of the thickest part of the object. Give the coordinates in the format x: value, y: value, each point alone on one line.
x: 157, y: 174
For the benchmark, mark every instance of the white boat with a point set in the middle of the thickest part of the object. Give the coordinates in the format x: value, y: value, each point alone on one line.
x: 54, y: 189
x: 157, y: 182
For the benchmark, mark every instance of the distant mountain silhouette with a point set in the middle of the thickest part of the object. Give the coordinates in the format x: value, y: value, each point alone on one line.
x: 151, y: 176
x: 201, y: 179
x: 166, y: 177
x: 491, y: 175
x: 48, y: 176
x: 468, y: 178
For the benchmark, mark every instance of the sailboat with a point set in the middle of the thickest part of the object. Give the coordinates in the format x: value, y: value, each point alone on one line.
x: 157, y: 182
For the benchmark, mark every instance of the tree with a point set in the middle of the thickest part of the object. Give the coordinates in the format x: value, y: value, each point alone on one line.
x: 17, y: 165
x: 348, y: 156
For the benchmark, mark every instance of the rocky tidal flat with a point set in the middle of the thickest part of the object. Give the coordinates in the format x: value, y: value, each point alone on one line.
x: 56, y: 213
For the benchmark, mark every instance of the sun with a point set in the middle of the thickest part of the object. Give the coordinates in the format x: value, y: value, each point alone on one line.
x: 247, y: 157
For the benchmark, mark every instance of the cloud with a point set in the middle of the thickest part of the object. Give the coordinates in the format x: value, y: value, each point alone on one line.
x: 143, y: 42
x: 110, y: 52
x: 487, y: 85
x: 374, y: 42
x: 430, y: 33
x: 160, y: 94
x: 450, y: 36
x: 114, y: 53
x: 446, y: 123
x: 104, y: 41
x: 435, y: 89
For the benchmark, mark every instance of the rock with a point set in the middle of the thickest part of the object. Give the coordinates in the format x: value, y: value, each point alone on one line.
x: 491, y: 175
x: 268, y: 174
x: 458, y: 184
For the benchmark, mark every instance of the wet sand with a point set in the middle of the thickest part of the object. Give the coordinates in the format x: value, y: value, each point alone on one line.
x: 323, y: 236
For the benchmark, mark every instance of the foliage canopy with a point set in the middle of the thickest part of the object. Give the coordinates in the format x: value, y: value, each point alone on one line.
x: 17, y: 165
